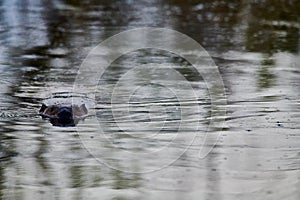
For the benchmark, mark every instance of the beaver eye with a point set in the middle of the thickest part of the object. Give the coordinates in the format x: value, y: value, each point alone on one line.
x: 52, y: 109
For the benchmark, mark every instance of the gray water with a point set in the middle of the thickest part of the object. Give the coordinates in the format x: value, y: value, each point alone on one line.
x: 151, y: 144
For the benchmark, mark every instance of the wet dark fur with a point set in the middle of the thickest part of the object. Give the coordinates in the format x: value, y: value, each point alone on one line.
x: 63, y: 115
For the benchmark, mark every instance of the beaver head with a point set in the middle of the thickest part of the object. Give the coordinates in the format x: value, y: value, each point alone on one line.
x: 63, y: 115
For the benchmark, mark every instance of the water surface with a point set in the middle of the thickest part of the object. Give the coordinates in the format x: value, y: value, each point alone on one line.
x: 156, y: 134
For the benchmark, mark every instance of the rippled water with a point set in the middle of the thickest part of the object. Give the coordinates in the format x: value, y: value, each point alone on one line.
x: 151, y: 111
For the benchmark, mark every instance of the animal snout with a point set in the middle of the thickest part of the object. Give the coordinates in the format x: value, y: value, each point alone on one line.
x: 65, y: 113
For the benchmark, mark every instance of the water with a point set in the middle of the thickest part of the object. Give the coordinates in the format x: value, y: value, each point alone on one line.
x: 148, y: 145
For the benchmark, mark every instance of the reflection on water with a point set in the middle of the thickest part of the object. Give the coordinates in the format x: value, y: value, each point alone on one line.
x: 254, y: 43
x: 266, y: 76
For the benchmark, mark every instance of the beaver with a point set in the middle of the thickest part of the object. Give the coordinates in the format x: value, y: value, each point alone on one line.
x: 63, y: 115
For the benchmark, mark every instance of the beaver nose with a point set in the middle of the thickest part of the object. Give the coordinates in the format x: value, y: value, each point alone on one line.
x: 65, y: 113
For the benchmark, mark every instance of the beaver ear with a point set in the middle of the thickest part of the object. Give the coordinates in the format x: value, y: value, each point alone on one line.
x: 43, y: 108
x: 83, y: 108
